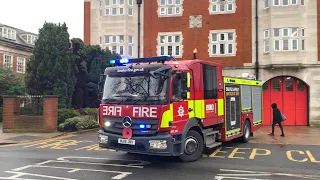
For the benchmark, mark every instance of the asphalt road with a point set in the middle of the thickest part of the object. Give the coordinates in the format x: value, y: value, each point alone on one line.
x: 78, y: 157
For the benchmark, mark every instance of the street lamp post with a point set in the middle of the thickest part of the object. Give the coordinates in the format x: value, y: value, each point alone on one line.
x: 139, y: 2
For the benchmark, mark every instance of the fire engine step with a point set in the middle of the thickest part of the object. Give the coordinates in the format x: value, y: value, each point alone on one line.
x: 212, y: 145
x: 211, y: 133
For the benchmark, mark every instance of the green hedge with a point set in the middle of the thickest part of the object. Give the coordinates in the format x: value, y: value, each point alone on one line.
x: 78, y: 123
x: 64, y: 114
x: 90, y: 111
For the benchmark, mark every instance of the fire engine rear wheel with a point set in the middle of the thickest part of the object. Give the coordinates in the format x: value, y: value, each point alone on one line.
x: 246, y: 132
x: 193, y: 147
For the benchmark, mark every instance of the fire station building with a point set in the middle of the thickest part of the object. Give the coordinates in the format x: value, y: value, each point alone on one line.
x: 275, y: 40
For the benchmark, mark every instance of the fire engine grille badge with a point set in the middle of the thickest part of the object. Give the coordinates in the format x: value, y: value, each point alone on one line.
x: 127, y: 122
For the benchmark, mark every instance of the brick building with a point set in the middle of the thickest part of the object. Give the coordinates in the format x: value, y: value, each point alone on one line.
x: 278, y: 43
x: 16, y: 47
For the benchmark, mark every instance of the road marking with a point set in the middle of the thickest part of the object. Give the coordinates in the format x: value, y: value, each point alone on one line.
x: 94, y: 147
x: 38, y: 175
x: 231, y: 177
x: 270, y: 173
x: 39, y: 141
x: 119, y: 174
x: 58, y: 144
x: 231, y: 156
x: 254, y: 153
x: 72, y: 170
x: 22, y: 168
x: 138, y: 162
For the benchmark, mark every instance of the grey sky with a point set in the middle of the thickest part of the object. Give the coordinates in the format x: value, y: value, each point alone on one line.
x: 29, y: 15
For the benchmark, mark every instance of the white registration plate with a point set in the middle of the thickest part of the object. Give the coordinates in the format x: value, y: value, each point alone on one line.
x: 126, y: 141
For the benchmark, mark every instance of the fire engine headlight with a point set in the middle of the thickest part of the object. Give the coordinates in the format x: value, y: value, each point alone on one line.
x: 103, y: 139
x: 158, y: 144
x: 107, y: 124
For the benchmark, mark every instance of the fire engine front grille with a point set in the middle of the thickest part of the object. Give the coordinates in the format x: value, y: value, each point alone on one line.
x: 116, y: 127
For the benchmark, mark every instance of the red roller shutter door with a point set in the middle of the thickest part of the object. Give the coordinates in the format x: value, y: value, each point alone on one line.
x: 291, y: 96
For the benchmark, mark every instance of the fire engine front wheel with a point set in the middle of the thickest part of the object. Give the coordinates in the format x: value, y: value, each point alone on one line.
x: 193, y: 147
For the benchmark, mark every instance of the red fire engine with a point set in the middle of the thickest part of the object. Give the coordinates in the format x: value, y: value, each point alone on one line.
x: 160, y: 106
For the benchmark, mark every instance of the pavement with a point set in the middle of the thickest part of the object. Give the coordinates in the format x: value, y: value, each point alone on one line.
x: 77, y: 156
x: 297, y: 135
x: 14, y: 138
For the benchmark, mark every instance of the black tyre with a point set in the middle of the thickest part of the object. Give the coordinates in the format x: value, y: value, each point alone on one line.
x: 246, y: 132
x: 193, y: 147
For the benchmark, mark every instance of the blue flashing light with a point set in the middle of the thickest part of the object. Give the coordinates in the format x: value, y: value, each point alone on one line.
x: 142, y: 126
x: 141, y: 60
x: 112, y: 61
x: 123, y: 61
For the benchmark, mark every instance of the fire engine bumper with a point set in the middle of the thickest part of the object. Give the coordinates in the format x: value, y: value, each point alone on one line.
x: 163, y: 145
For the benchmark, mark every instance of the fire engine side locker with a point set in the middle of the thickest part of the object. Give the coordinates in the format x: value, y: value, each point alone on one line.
x: 247, y: 95
x: 232, y: 110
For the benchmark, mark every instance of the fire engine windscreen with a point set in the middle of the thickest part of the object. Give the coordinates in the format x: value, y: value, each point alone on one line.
x: 135, y: 88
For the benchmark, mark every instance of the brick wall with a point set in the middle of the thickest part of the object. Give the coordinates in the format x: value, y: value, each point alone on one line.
x: 87, y: 23
x: 50, y: 112
x: 12, y: 121
x: 8, y: 113
x: 198, y: 37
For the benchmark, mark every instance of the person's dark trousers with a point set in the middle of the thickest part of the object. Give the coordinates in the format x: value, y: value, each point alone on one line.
x: 280, y: 125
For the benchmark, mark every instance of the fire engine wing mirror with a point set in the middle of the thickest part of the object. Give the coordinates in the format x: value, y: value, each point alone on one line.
x: 100, y: 85
x: 159, y: 72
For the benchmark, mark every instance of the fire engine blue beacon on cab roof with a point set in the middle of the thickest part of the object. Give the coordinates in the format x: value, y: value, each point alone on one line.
x: 140, y: 60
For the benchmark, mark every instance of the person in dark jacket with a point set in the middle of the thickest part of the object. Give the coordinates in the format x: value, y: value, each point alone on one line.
x: 277, y: 119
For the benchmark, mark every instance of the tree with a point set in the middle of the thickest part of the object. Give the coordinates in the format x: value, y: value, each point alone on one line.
x: 10, y: 84
x: 90, y: 62
x: 50, y: 70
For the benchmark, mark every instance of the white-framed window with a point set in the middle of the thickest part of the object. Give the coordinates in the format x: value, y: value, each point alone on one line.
x: 222, y: 6
x: 8, y: 33
x: 130, y: 39
x: 31, y: 39
x: 8, y: 61
x: 287, y: 39
x: 108, y: 12
x: 266, y: 41
x: 130, y: 2
x: 114, y: 11
x: 170, y: 8
x: 121, y: 11
x: 130, y: 50
x: 118, y: 7
x: 222, y: 43
x: 303, y: 39
x: 266, y: 4
x: 130, y: 11
x: 285, y: 2
x: 294, y: 2
x: 170, y: 43
x: 21, y: 64
x: 120, y: 44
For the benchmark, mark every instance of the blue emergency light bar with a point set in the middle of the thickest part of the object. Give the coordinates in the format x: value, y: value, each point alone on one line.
x: 140, y: 60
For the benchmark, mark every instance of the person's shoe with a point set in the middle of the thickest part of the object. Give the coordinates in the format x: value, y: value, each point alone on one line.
x: 271, y: 134
x: 282, y: 135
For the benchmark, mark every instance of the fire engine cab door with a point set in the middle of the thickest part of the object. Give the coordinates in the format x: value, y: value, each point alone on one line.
x: 180, y: 96
x: 210, y: 86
